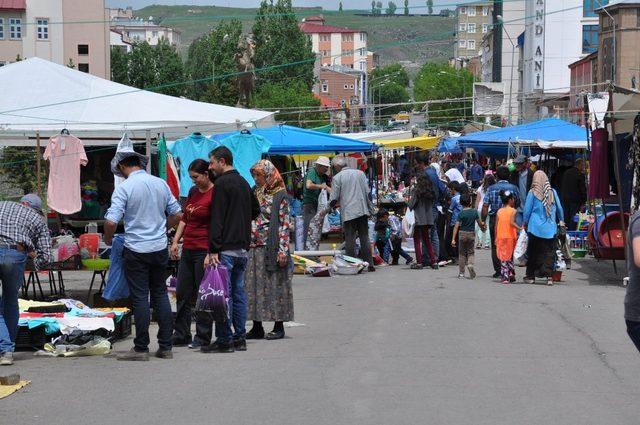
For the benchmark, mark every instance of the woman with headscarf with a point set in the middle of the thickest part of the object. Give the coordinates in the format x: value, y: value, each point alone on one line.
x: 542, y: 214
x: 269, y: 272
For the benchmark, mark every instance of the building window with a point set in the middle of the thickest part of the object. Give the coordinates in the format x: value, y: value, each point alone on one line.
x: 485, y: 28
x: 1, y: 28
x: 589, y: 7
x: 471, y: 44
x: 462, y: 27
x: 363, y: 37
x: 463, y: 10
x: 83, y: 67
x: 325, y: 38
x: 589, y: 38
x: 325, y: 53
x: 15, y: 28
x: 325, y: 86
x: 471, y: 11
x: 351, y: 87
x: 462, y: 44
x: 471, y: 28
x: 346, y: 86
x: 42, y: 29
x: 485, y: 10
x: 154, y: 34
x: 347, y: 37
x: 363, y: 66
x: 83, y: 49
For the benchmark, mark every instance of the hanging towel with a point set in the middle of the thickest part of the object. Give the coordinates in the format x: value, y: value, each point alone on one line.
x: 599, y: 165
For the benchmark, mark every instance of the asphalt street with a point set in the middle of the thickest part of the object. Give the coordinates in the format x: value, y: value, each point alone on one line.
x: 392, y: 347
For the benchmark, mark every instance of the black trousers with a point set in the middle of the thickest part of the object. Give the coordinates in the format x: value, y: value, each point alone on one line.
x: 146, y: 276
x: 570, y: 210
x: 441, y: 224
x: 492, y: 232
x: 633, y: 330
x: 397, y: 251
x: 357, y: 228
x: 190, y: 273
x: 541, y: 254
x: 452, y: 251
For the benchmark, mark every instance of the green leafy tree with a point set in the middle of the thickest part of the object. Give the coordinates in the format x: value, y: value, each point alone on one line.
x: 281, y: 46
x: 395, y: 73
x: 388, y: 92
x: 142, y: 67
x: 169, y: 68
x: 340, y: 7
x: 291, y: 94
x: 406, y: 7
x: 439, y: 82
x: 70, y: 64
x: 391, y: 8
x: 378, y: 8
x: 373, y: 7
x: 214, y: 55
x: 119, y: 65
x: 19, y: 169
x: 430, y: 7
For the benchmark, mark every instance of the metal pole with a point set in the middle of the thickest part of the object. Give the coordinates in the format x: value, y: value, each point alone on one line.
x: 148, y: 149
x: 38, y: 166
x: 616, y: 164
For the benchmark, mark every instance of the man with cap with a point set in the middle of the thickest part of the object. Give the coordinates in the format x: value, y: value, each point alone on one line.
x: 23, y: 234
x: 521, y: 177
x: 148, y: 209
x: 315, y: 180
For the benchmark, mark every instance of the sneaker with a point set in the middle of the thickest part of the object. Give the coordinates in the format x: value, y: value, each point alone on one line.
x: 496, y: 275
x: 409, y: 261
x: 6, y: 359
x: 435, y: 267
x: 460, y: 275
x: 164, y: 354
x: 180, y: 342
x: 218, y: 347
x: 549, y: 281
x: 240, y: 344
x: 443, y: 263
x: 472, y: 272
x: 195, y: 345
x: 416, y: 266
x: 529, y: 280
x: 134, y: 356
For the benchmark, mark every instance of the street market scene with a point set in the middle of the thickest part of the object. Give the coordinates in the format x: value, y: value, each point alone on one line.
x: 286, y: 212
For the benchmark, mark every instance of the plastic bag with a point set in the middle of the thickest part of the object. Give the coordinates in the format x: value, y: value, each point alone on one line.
x: 213, y: 294
x: 560, y: 264
x: 116, y: 287
x: 323, y: 203
x: 520, y: 253
x: 408, y: 222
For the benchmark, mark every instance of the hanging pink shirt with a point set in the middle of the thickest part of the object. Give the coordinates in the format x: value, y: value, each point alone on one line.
x: 65, y: 155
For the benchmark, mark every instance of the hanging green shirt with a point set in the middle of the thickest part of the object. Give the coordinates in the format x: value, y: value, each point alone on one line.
x: 310, y: 196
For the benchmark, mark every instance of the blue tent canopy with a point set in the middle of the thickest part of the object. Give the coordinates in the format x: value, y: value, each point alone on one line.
x: 449, y: 145
x: 288, y: 140
x: 547, y: 133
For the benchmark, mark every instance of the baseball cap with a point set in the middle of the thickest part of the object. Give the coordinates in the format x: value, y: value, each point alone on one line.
x: 324, y: 161
x: 32, y: 200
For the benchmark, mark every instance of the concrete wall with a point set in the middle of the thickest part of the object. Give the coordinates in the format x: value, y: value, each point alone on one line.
x: 95, y: 35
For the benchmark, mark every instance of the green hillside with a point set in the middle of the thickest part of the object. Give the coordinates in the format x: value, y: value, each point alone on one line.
x: 390, y: 37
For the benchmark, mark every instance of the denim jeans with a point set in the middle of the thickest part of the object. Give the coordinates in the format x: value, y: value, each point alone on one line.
x: 12, y: 274
x: 146, y: 276
x: 237, y: 300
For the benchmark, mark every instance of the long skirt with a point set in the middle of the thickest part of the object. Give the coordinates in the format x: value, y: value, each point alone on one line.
x: 541, y: 254
x: 270, y: 294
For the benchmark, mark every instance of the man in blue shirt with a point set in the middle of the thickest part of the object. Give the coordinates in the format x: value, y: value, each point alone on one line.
x: 148, y: 209
x: 491, y: 204
x: 476, y: 173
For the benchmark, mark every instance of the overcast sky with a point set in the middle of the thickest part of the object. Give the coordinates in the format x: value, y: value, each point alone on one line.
x: 327, y: 4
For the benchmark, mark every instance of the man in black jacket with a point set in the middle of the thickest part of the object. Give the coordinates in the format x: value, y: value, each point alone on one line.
x: 522, y: 178
x: 233, y: 207
x: 573, y: 192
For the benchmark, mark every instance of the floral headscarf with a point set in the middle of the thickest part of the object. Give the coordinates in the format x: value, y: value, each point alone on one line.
x: 273, y: 179
x: 542, y: 190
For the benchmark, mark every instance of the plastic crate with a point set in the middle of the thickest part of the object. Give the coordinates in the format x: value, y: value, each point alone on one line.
x: 34, y: 338
x: 123, y: 327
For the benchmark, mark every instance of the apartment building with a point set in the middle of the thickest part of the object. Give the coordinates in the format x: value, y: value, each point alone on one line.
x: 619, y: 62
x: 42, y: 28
x: 338, y: 46
x: 473, y: 22
x: 135, y: 30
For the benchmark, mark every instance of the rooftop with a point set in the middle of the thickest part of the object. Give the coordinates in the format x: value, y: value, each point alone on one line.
x: 312, y: 28
x: 13, y: 4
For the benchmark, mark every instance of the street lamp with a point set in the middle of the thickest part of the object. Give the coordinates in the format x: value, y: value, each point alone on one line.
x: 513, y: 51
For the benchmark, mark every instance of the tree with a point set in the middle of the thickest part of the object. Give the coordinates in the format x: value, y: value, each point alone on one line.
x: 395, y: 73
x: 169, y: 68
x: 373, y: 7
x: 119, y: 65
x: 290, y: 94
x: 70, y: 64
x: 378, y: 8
x: 391, y: 8
x: 430, y: 7
x: 214, y: 55
x: 440, y: 81
x: 406, y: 7
x: 340, y: 7
x: 282, y: 51
x: 18, y: 168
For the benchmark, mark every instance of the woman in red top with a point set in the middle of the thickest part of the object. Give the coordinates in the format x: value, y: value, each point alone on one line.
x: 195, y: 245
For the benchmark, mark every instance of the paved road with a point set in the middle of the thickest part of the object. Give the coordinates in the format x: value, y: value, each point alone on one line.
x: 393, y: 347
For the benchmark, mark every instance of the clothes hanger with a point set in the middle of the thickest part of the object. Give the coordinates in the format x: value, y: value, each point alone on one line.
x: 245, y: 131
x: 65, y: 132
x: 197, y: 133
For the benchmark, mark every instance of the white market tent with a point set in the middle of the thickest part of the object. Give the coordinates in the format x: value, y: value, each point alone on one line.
x: 42, y: 97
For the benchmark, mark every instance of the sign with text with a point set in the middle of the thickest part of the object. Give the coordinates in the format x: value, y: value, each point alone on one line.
x: 537, y: 77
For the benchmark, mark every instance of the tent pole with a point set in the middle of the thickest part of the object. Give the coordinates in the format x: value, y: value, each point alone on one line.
x: 38, y: 166
x: 616, y: 164
x: 148, y: 149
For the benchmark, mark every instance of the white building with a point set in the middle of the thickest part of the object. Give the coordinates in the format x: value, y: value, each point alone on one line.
x: 139, y: 30
x: 117, y: 40
x: 557, y: 33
